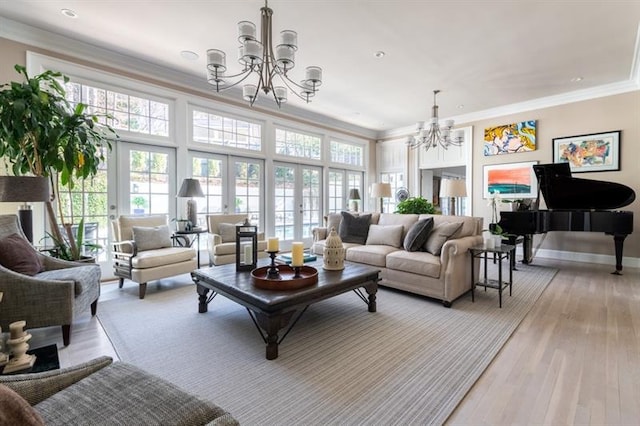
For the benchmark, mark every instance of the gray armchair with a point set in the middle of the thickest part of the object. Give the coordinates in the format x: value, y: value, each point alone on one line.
x: 100, y: 392
x: 54, y: 296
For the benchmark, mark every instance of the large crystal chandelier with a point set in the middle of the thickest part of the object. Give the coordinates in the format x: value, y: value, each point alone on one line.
x: 435, y: 134
x: 270, y: 65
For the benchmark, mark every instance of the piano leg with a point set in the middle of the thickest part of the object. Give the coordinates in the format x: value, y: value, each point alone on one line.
x: 618, y: 241
x: 527, y: 244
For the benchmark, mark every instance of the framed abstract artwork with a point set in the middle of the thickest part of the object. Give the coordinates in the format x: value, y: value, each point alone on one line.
x: 510, y: 138
x: 597, y: 152
x: 513, y: 180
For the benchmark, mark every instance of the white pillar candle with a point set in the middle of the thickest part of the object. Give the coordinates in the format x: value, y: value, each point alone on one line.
x: 248, y: 254
x: 273, y: 244
x: 297, y: 254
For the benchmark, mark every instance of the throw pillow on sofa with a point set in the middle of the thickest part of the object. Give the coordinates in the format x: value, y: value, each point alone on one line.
x: 390, y: 235
x: 354, y: 229
x: 440, y: 235
x: 15, y: 410
x: 17, y: 254
x: 418, y: 234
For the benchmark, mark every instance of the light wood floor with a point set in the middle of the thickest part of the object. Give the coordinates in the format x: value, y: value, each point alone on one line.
x: 575, y: 359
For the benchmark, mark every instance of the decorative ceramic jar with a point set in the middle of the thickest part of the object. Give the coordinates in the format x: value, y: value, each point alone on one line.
x: 333, y: 253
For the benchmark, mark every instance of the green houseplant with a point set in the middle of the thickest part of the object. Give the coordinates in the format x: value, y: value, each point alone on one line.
x: 42, y: 134
x: 415, y: 205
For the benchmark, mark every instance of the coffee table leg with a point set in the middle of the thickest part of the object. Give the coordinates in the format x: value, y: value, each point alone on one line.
x: 271, y: 324
x: 202, y: 298
x: 371, y: 291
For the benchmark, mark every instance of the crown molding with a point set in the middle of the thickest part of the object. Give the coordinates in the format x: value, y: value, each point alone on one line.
x: 110, y: 59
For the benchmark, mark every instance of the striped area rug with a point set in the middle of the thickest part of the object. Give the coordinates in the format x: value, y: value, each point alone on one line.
x: 411, y: 362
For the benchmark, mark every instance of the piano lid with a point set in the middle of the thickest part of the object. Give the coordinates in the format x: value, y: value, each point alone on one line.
x: 561, y: 191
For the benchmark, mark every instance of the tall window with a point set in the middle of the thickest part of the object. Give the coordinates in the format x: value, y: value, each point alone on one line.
x: 294, y: 144
x: 149, y: 180
x: 248, y: 189
x: 336, y: 191
x: 131, y: 113
x: 226, y: 131
x: 210, y: 172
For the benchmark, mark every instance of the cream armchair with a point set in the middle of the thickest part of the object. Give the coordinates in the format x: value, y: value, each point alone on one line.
x: 222, y: 238
x: 147, y: 255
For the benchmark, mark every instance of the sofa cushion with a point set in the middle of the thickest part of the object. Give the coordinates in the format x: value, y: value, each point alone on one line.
x: 418, y: 234
x: 151, y: 237
x: 374, y: 255
x: 15, y: 410
x: 122, y: 394
x: 406, y: 220
x: 84, y: 277
x: 415, y: 262
x: 163, y: 256
x: 227, y: 232
x: 354, y: 229
x: 440, y: 235
x: 17, y: 254
x: 385, y: 235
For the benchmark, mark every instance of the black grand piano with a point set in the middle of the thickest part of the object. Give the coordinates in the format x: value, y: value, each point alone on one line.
x: 573, y: 205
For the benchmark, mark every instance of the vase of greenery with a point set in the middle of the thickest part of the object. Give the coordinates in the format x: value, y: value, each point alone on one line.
x: 415, y: 205
x: 42, y: 134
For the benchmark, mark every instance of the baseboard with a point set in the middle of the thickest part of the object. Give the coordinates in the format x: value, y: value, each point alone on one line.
x: 602, y: 259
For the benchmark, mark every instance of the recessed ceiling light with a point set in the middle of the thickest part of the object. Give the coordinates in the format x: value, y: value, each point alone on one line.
x: 379, y: 54
x: 576, y: 79
x: 460, y: 106
x: 189, y: 55
x: 69, y: 13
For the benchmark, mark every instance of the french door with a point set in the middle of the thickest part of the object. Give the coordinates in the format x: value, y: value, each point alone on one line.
x: 297, y: 202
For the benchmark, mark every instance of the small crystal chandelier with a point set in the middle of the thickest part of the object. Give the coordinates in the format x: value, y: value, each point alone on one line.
x: 434, y: 135
x: 257, y: 56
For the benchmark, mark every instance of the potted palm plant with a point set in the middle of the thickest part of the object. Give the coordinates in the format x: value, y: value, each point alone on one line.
x: 43, y: 135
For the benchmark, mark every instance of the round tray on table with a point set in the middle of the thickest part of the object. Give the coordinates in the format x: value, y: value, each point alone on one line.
x: 287, y: 281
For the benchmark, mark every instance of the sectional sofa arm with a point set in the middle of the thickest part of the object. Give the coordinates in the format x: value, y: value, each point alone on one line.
x: 36, y: 387
x: 454, y: 250
x: 319, y: 234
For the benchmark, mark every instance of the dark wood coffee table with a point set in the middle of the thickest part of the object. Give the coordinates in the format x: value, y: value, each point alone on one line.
x: 272, y: 311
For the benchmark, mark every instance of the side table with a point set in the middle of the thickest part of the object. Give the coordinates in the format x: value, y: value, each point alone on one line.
x: 181, y: 239
x: 505, y: 251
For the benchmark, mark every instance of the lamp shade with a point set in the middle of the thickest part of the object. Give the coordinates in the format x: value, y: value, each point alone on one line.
x: 354, y: 194
x: 190, y: 188
x: 453, y: 188
x: 382, y: 190
x: 24, y: 188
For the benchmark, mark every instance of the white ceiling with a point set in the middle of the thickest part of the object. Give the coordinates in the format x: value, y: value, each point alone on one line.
x: 481, y: 54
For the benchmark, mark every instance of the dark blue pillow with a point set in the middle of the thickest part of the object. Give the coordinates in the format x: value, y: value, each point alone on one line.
x: 418, y: 234
x: 354, y: 229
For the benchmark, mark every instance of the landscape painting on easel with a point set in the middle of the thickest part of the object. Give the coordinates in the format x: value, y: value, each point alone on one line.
x: 512, y: 180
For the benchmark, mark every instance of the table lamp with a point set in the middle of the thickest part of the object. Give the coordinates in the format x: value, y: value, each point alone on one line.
x: 381, y: 190
x: 452, y: 189
x: 191, y: 188
x: 25, y: 189
x: 354, y: 197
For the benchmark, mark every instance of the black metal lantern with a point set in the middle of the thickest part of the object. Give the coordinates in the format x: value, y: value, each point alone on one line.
x: 246, y: 246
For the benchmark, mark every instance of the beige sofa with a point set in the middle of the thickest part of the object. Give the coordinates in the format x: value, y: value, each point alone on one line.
x: 445, y: 277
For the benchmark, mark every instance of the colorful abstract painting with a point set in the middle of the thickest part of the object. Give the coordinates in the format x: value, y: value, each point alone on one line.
x: 513, y: 180
x: 510, y: 138
x: 589, y: 153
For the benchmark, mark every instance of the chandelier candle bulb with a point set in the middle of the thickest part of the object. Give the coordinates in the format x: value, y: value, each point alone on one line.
x: 297, y: 254
x: 290, y: 38
x: 253, y: 51
x: 273, y: 244
x: 249, y: 91
x: 285, y: 56
x: 246, y: 31
x: 216, y: 58
x: 280, y: 93
x: 314, y: 74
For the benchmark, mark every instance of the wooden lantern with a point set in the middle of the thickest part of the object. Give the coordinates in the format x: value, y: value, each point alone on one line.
x: 246, y: 246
